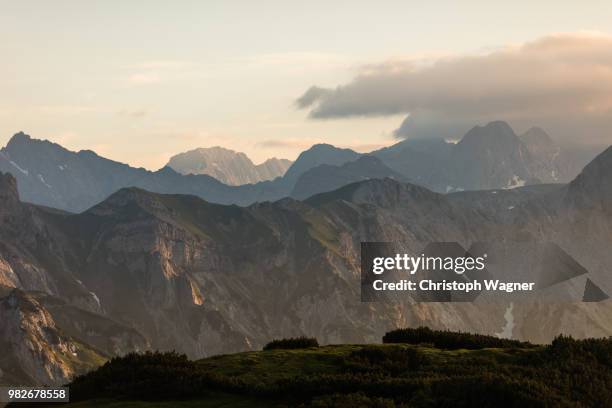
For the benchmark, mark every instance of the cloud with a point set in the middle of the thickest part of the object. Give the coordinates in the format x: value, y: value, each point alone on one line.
x: 561, y: 81
x: 312, y: 95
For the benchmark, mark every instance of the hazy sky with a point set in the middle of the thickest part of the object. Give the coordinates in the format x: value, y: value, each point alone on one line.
x: 138, y: 81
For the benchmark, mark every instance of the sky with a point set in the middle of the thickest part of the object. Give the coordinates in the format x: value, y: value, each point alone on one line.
x: 139, y: 81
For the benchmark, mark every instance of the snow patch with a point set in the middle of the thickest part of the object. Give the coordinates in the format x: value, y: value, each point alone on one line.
x: 452, y: 189
x: 27, y: 173
x: 96, y: 298
x: 42, y: 180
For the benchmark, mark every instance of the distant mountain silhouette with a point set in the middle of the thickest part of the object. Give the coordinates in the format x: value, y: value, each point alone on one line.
x: 51, y: 175
x: 229, y: 167
x: 328, y: 177
x: 488, y: 157
x: 317, y: 155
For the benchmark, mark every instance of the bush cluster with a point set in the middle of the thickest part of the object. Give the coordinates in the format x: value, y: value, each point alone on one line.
x: 147, y: 376
x: 449, y: 340
x: 292, y: 343
x: 566, y: 373
x: 393, y: 361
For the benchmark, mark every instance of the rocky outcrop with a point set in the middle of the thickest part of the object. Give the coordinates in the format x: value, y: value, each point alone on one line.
x: 48, y: 341
x: 35, y: 351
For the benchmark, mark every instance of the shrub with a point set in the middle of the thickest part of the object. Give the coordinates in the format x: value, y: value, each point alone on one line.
x: 450, y: 340
x: 147, y: 376
x: 351, y: 401
x: 392, y: 361
x: 292, y: 343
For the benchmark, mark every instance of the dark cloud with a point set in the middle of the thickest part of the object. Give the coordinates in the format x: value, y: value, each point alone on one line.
x: 562, y: 82
x: 312, y: 95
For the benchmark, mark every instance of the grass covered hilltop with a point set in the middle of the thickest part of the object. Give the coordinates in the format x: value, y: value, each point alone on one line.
x: 412, y: 368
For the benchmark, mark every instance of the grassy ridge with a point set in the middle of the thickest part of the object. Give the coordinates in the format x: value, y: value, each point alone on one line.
x: 567, y: 373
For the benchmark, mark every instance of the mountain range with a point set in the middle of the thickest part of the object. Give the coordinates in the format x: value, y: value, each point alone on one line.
x: 144, y: 270
x: 227, y: 166
x: 487, y: 157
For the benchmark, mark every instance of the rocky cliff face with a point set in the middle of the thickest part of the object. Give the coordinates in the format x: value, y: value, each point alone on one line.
x: 229, y: 167
x: 48, y: 341
x: 35, y: 351
x: 44, y: 308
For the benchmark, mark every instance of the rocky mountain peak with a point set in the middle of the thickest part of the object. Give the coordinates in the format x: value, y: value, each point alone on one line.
x: 317, y: 155
x: 126, y: 197
x: 537, y: 136
x: 493, y: 133
x: 490, y: 156
x: 228, y: 166
x: 19, y: 137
